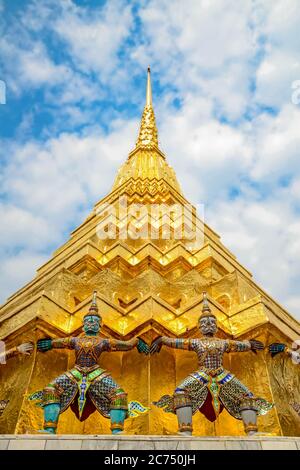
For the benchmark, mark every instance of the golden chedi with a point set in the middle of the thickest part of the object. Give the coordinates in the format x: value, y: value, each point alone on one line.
x: 149, y: 265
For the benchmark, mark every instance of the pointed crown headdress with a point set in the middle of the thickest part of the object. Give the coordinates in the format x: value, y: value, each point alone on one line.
x: 93, y: 310
x: 206, y: 311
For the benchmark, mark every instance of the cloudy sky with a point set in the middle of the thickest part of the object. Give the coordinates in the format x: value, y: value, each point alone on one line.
x: 227, y: 103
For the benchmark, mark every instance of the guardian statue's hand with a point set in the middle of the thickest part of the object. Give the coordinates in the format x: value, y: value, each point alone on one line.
x: 256, y: 345
x: 156, y: 345
x: 143, y: 347
x: 44, y: 344
x: 25, y: 348
x: 276, y: 348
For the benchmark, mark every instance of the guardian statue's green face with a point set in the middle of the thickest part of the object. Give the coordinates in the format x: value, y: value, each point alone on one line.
x: 91, y: 324
x: 208, y: 325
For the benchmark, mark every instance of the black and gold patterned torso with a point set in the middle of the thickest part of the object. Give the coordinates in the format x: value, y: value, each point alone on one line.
x: 209, y: 351
x: 87, y: 349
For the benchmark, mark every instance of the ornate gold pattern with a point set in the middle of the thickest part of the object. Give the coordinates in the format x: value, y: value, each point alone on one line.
x: 119, y: 426
x: 248, y: 404
x: 50, y: 424
x: 185, y: 427
x: 181, y: 400
x: 250, y: 427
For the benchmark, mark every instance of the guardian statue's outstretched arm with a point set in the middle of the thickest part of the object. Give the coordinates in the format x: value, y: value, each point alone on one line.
x: 25, y: 349
x: 294, y: 354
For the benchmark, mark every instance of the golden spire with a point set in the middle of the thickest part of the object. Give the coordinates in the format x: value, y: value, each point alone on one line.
x: 149, y: 88
x: 147, y: 162
x: 147, y: 138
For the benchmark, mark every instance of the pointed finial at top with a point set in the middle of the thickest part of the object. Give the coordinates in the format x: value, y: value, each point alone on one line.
x: 94, y: 298
x: 93, y: 310
x: 149, y: 88
x: 147, y: 138
x: 206, y: 311
x: 205, y: 307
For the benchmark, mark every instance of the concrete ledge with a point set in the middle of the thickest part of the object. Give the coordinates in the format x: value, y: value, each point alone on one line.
x: 134, y: 442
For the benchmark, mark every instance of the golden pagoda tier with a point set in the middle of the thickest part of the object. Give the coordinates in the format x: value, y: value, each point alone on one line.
x: 147, y: 286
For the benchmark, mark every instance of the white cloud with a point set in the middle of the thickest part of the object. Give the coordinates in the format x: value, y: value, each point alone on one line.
x: 275, y: 76
x: 56, y: 175
x: 29, y: 67
x: 203, y: 47
x: 16, y: 270
x: 86, y: 55
x: 204, y: 32
x: 21, y: 227
x: 277, y: 142
x: 204, y: 151
x: 282, y: 24
x: 51, y: 187
x: 94, y: 37
x: 280, y: 65
x: 292, y: 304
x: 265, y: 238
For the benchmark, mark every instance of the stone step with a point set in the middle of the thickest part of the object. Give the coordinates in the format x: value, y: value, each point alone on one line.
x: 148, y: 443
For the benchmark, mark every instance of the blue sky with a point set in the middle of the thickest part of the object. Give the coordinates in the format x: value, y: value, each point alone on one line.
x: 222, y: 85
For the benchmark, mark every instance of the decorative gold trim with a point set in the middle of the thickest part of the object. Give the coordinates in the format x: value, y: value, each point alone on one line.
x: 181, y: 400
x: 50, y: 424
x: 248, y: 403
x: 250, y: 427
x: 119, y: 426
x: 185, y: 427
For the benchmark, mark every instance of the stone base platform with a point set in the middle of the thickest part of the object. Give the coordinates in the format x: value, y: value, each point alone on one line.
x: 148, y: 443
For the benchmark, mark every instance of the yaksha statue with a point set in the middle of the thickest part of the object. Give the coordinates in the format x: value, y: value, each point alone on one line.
x: 87, y: 387
x: 211, y: 387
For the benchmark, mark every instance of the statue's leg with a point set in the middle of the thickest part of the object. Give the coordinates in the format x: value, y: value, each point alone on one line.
x: 241, y: 404
x: 51, y: 414
x: 117, y: 418
x: 183, y: 407
x: 111, y: 401
x: 118, y: 410
x: 51, y: 406
x: 248, y: 411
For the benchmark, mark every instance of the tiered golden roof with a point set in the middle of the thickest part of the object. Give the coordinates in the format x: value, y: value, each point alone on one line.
x: 146, y: 286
